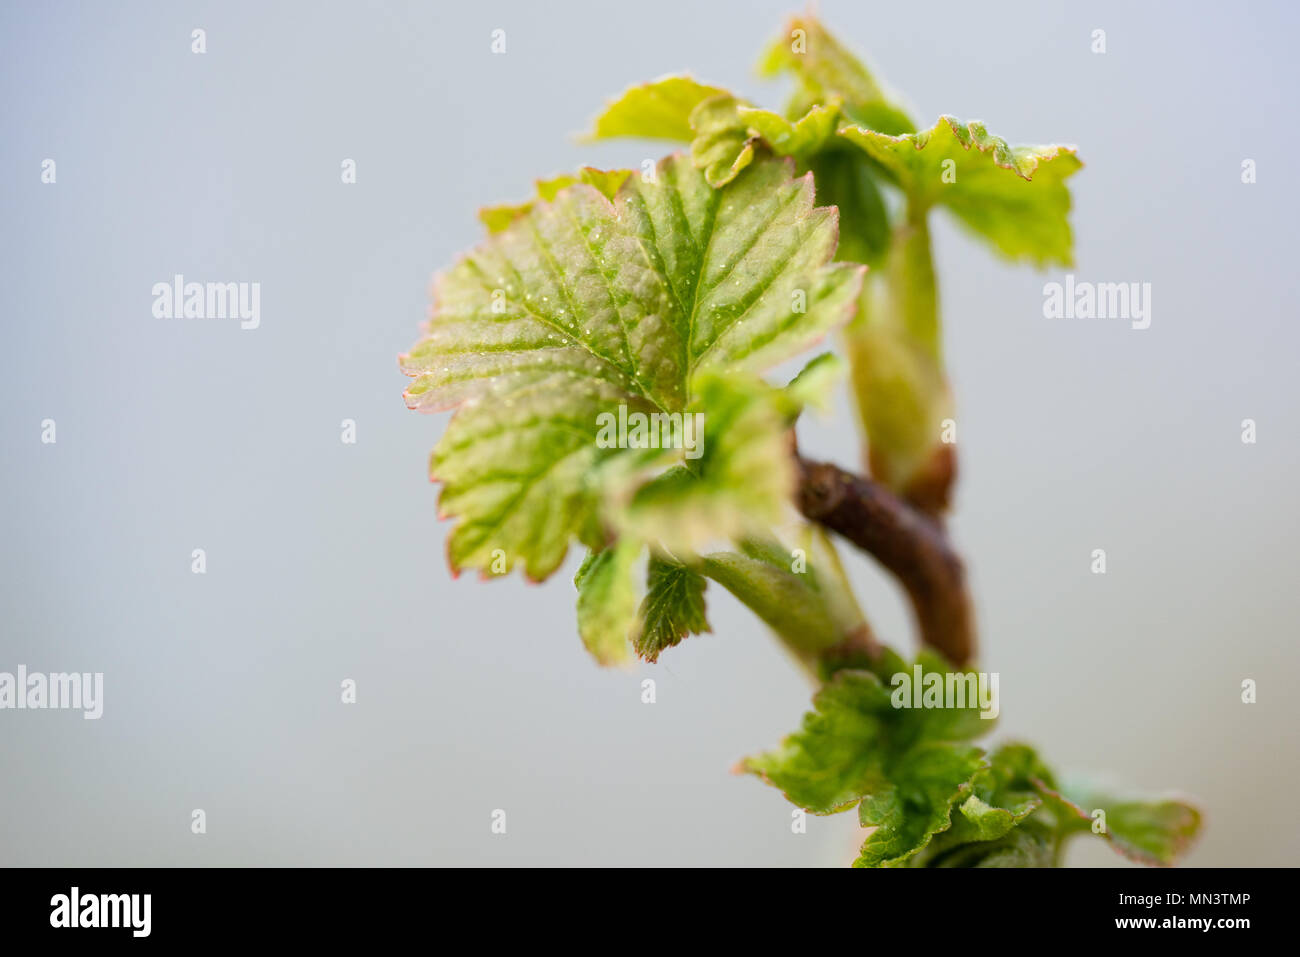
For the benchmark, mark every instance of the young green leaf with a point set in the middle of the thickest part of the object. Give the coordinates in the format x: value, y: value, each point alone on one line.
x: 816, y: 382
x: 1015, y: 198
x: 727, y: 132
x: 1017, y: 817
x: 658, y: 110
x: 904, y: 767
x: 497, y: 218
x: 584, y: 308
x: 911, y: 801
x: 1148, y: 831
x: 1003, y: 796
x: 727, y: 129
x: 612, y: 306
x: 607, y: 606
x: 825, y: 70
x: 807, y: 135
x: 981, y: 821
x: 722, y: 145
x: 739, y: 483
x: 1032, y: 843
x: 672, y: 609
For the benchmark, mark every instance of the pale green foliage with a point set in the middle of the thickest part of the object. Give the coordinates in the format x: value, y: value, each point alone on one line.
x: 660, y: 301
x: 932, y: 798
x: 668, y: 292
x: 658, y: 110
x: 845, y: 127
x: 1015, y: 198
x: 607, y: 601
x: 740, y: 484
x: 824, y: 70
x: 607, y: 182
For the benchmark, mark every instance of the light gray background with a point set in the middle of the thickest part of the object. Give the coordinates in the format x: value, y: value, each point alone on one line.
x: 325, y: 561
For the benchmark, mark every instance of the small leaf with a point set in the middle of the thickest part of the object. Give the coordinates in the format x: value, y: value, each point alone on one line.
x: 904, y: 767
x: 607, y: 607
x: 672, y: 609
x: 497, y: 218
x: 982, y: 821
x: 802, y: 138
x: 1017, y: 817
x: 1002, y: 796
x: 1031, y: 844
x: 658, y: 110
x: 825, y: 70
x: 722, y: 145
x: 740, y: 482
x: 727, y: 129
x: 816, y: 382
x: 1015, y: 198
x: 1155, y: 831
x: 836, y: 758
x: 915, y: 803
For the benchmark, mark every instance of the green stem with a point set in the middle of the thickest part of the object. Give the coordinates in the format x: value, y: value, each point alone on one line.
x: 804, y: 596
x: 895, y: 354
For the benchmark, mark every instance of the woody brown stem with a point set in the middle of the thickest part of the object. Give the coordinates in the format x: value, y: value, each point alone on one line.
x: 909, y: 543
